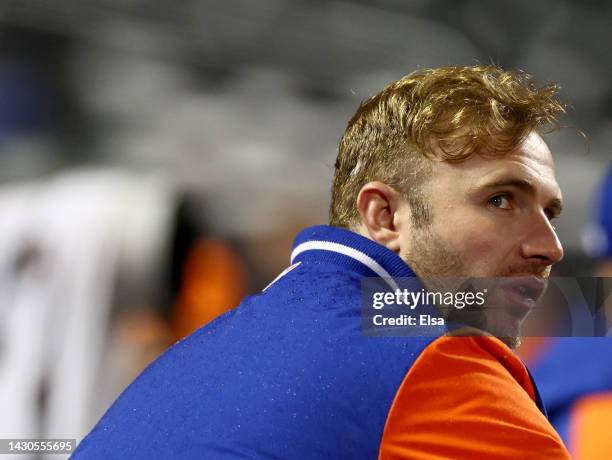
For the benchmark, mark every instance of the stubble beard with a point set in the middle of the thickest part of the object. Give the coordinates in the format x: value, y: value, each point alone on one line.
x: 441, y: 269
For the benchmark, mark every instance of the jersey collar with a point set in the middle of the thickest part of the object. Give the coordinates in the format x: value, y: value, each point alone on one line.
x: 326, y: 244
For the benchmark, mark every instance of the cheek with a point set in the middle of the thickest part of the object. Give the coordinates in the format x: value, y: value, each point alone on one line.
x: 481, y: 241
x: 481, y: 249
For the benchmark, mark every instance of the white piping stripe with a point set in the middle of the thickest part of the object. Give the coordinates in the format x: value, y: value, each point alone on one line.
x: 347, y: 251
x: 283, y: 273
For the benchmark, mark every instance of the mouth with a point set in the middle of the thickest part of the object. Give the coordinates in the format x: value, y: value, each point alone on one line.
x: 522, y: 294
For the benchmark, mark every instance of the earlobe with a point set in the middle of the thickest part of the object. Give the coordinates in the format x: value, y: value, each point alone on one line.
x: 377, y: 205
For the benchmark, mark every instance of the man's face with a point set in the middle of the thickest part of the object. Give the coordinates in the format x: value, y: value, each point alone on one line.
x: 491, y: 218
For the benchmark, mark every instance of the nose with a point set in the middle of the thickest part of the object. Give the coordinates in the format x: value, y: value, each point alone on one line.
x: 542, y: 243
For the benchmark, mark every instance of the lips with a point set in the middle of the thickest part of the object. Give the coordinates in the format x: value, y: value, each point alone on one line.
x: 523, y: 293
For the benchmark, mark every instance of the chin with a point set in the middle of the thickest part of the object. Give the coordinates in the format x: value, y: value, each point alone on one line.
x: 496, y: 322
x: 507, y: 329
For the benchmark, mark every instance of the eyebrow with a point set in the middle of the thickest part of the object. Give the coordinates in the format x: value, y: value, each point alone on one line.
x: 555, y: 205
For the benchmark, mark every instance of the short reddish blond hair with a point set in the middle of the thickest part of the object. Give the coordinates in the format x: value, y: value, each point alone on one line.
x: 463, y: 110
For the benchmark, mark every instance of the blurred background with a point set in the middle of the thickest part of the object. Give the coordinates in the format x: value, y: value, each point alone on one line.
x: 157, y: 158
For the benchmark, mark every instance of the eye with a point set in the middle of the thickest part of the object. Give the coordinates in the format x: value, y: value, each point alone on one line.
x: 500, y: 202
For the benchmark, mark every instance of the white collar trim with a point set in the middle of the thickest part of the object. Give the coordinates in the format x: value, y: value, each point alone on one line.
x: 349, y: 252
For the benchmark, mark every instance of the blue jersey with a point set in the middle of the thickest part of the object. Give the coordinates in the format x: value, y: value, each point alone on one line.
x: 289, y: 375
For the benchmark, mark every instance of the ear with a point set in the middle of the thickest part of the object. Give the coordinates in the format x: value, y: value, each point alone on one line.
x: 378, y: 205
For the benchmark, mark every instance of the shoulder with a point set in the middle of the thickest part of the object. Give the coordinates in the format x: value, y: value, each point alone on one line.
x: 464, y: 396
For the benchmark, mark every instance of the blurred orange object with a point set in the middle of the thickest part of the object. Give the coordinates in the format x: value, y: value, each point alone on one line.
x: 214, y: 281
x: 590, y: 427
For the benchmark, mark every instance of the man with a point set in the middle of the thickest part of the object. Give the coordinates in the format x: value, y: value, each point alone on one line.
x: 442, y: 174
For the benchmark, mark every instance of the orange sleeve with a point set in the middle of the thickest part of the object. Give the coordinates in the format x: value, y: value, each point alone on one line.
x: 467, y: 398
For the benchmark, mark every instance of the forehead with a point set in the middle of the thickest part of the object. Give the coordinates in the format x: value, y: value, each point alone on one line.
x: 530, y: 161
